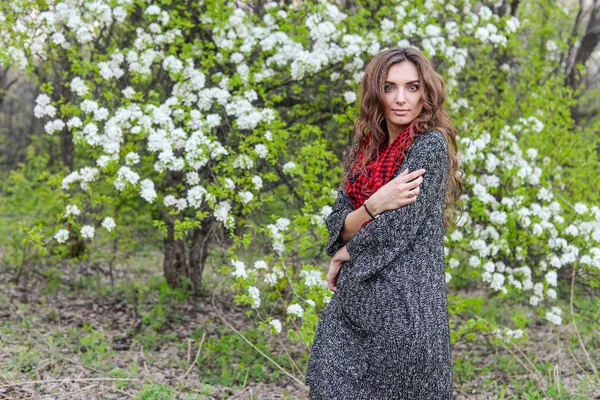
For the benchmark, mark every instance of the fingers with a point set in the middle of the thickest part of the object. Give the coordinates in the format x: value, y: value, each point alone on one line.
x: 407, y: 177
x: 331, y: 283
x: 412, y: 191
x: 414, y: 183
x: 332, y: 276
x: 414, y: 174
x: 407, y: 200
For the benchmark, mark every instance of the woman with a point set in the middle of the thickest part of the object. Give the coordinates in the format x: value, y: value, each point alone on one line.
x: 384, y: 334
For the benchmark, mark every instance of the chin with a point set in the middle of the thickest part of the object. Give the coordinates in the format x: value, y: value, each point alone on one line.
x: 402, y: 120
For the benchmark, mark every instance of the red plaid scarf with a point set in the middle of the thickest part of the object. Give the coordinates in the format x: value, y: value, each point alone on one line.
x: 380, y: 171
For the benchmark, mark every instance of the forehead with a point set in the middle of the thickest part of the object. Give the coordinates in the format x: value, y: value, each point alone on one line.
x: 402, y: 72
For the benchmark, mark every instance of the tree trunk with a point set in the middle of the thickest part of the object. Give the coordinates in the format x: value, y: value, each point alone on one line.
x: 589, y: 41
x: 177, y: 265
x: 198, y: 255
x: 174, y: 264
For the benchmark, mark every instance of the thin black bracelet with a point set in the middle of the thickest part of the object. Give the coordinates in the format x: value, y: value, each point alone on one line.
x: 368, y: 212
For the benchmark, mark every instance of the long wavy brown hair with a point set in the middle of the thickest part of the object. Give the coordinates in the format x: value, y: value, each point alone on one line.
x: 432, y: 117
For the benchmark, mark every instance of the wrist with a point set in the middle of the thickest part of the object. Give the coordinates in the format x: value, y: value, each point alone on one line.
x: 371, y: 208
x: 342, y: 254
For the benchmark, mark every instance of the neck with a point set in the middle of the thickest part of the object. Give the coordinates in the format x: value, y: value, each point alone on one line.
x: 394, y: 132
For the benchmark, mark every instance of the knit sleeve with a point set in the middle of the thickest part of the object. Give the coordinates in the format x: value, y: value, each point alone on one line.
x: 383, y: 239
x: 335, y: 222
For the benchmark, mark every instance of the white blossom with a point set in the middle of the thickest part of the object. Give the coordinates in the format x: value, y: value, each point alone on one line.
x: 147, y: 190
x: 246, y: 197
x: 87, y: 232
x: 260, y: 264
x: 289, y: 166
x: 313, y: 278
x: 74, y: 122
x: 448, y: 277
x: 255, y: 296
x: 261, y: 150
x: 282, y: 223
x: 109, y: 224
x: 551, y: 278
x: 192, y: 178
x: 54, y: 126
x: 581, y: 208
x: 554, y: 315
x: 551, y: 45
x: 132, y: 158
x: 43, y: 107
x: 62, y: 235
x: 221, y: 213
x: 72, y: 209
x: 534, y: 300
x: 295, y: 309
x: 78, y: 86
x: 229, y: 184
x: 257, y: 181
x: 276, y: 324
x: 350, y: 97
x: 240, y: 269
x: 128, y: 92
x: 243, y: 161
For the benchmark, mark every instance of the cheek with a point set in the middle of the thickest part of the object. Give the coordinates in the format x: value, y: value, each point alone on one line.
x: 416, y: 100
x: 388, y: 103
x: 388, y: 99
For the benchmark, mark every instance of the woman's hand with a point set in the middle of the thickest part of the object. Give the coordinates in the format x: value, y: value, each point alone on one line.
x: 335, y: 266
x: 400, y: 191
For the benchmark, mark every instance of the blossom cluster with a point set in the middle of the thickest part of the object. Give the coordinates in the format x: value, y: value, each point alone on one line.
x: 139, y: 141
x: 506, y: 187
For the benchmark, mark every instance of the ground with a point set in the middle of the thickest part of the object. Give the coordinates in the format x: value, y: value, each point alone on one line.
x: 132, y: 343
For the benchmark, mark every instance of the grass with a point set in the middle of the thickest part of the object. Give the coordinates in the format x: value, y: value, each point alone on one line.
x: 141, y: 339
x: 137, y: 339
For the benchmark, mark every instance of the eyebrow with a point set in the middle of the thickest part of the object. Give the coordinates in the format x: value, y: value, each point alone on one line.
x: 393, y: 83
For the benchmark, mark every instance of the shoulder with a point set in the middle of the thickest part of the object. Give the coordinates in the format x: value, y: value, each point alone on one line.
x: 428, y: 143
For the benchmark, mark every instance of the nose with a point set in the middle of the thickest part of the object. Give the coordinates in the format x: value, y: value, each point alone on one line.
x: 400, y: 97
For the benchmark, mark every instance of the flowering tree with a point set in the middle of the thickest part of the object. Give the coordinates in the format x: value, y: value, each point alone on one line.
x: 208, y: 114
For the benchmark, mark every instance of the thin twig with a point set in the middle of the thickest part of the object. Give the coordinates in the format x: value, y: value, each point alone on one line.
x: 195, y: 359
x: 4, y: 376
x: 288, y: 354
x: 536, y: 374
x: 50, y: 349
x: 460, y: 390
x: 144, y: 360
x: 69, y: 380
x: 254, y: 347
x: 189, y: 352
x: 78, y: 391
x: 575, y: 325
x: 124, y: 392
x: 240, y: 392
x: 587, y: 375
x: 528, y: 360
x: 51, y: 352
x: 293, y: 321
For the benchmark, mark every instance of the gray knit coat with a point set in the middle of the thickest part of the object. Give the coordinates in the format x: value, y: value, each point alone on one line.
x: 384, y: 334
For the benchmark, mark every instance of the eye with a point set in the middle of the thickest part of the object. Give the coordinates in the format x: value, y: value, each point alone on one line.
x: 415, y: 86
x: 388, y: 86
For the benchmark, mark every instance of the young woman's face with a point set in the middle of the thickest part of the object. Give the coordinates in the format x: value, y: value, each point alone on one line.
x: 403, y: 94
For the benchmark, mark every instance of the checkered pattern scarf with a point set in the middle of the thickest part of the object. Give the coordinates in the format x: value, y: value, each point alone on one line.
x: 379, y: 171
